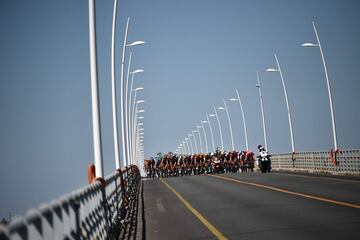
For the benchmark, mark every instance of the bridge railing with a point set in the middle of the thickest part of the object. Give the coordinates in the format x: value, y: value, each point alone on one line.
x: 341, y: 162
x: 96, y: 211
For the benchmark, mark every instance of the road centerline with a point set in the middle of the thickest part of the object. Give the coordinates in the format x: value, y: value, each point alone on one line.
x: 287, y: 191
x: 202, y: 219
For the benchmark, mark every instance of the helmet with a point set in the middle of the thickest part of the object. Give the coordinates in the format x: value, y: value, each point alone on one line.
x: 259, y: 147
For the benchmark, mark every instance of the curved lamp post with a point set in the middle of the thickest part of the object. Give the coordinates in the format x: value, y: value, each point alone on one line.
x: 228, y: 116
x: 287, y: 102
x: 191, y: 143
x: 211, y: 132
x: 196, y: 146
x: 206, y: 142
x: 201, y: 145
x: 218, y: 121
x: 113, y: 89
x: 134, y: 133
x: 128, y: 101
x: 262, y: 109
x: 183, y: 148
x: 238, y: 99
x: 318, y: 44
x: 133, y: 122
x: 129, y: 106
x: 191, y: 146
x: 187, y: 148
x: 122, y: 105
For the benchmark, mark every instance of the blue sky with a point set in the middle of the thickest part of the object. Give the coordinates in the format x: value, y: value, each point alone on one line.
x: 197, y: 53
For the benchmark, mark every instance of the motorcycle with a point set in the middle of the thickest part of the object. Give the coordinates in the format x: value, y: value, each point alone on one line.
x: 217, y: 166
x: 264, y: 162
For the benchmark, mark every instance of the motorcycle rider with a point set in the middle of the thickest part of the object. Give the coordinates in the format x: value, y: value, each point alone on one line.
x: 264, y: 153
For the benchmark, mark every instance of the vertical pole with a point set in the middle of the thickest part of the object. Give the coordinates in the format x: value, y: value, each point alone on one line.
x: 231, y: 132
x: 130, y: 117
x: 113, y: 89
x: 192, y: 147
x: 196, y: 146
x: 133, y: 127
x: 221, y: 137
x: 122, y: 96
x: 187, y: 147
x: 201, y: 145
x: 126, y: 111
x: 244, y: 122
x: 287, y: 106
x: 262, y: 110
x: 206, y: 142
x: 211, y: 132
x: 95, y: 92
x: 329, y: 90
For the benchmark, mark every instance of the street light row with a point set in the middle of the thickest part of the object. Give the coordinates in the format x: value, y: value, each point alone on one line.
x: 182, y: 149
x: 131, y: 133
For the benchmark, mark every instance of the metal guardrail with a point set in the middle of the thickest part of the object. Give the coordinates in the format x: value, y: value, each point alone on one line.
x: 92, y: 212
x: 342, y: 162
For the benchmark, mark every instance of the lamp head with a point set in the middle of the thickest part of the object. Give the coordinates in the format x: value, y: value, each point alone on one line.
x: 137, y: 71
x: 138, y: 89
x: 309, y: 45
x: 135, y: 43
x: 271, y: 70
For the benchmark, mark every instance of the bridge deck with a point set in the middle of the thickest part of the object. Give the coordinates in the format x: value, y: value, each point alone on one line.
x: 269, y: 209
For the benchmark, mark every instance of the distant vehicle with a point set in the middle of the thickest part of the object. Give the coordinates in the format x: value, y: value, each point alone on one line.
x: 264, y: 161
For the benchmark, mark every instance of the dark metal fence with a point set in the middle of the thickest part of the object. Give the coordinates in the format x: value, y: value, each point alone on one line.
x: 92, y: 212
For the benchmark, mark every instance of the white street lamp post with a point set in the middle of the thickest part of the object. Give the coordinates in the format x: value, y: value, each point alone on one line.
x: 228, y: 116
x: 122, y: 105
x: 133, y: 120
x: 122, y: 95
x: 287, y: 102
x: 191, y: 143
x: 327, y: 82
x: 126, y: 111
x: 218, y: 121
x: 262, y: 109
x: 201, y: 145
x: 196, y: 146
x: 206, y: 142
x: 129, y: 109
x: 113, y: 89
x: 134, y: 129
x: 183, y: 148
x: 211, y: 132
x: 136, y: 132
x: 243, y: 117
x: 187, y: 148
x: 95, y: 106
x: 191, y: 146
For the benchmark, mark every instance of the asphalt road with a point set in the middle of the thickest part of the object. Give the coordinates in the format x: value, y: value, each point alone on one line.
x: 253, y: 206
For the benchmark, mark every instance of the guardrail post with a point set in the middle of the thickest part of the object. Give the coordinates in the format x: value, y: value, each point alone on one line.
x: 313, y: 161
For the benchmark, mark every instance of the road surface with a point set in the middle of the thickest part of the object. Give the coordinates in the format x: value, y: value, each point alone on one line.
x: 252, y: 206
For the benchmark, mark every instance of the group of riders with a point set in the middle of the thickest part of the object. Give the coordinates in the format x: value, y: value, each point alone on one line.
x: 171, y: 164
